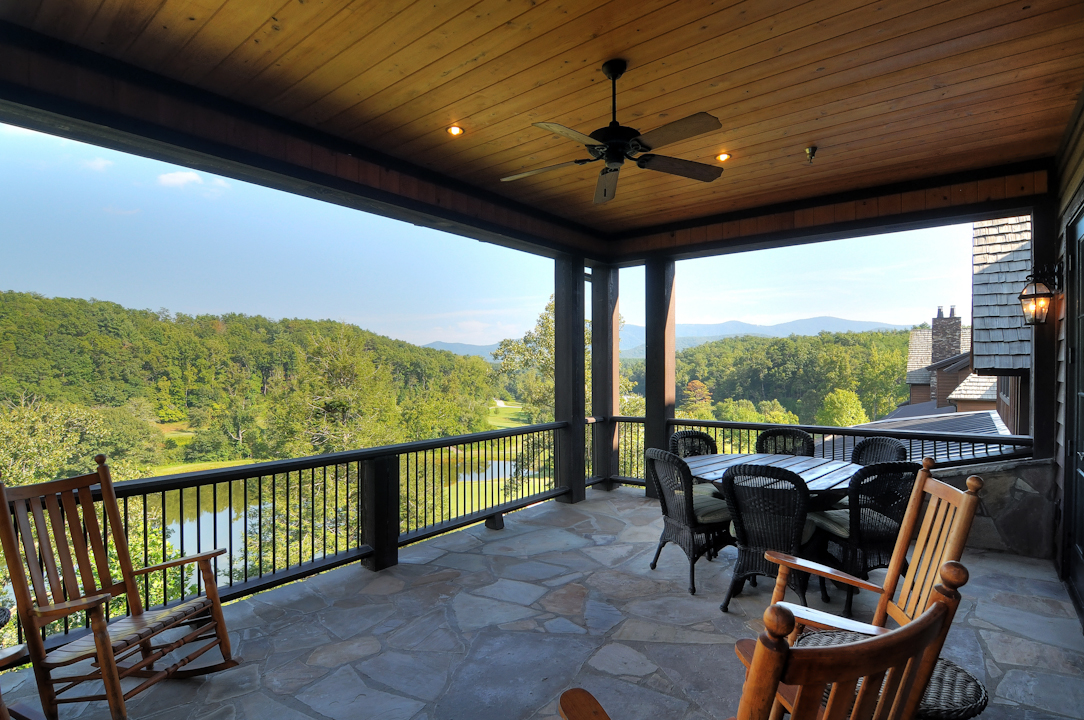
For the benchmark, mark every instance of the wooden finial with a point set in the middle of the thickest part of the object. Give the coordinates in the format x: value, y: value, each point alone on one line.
x: 928, y: 463
x: 100, y: 459
x: 954, y: 575
x: 974, y: 484
x: 778, y: 622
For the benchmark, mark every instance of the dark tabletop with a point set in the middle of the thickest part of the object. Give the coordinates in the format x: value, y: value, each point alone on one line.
x: 820, y: 474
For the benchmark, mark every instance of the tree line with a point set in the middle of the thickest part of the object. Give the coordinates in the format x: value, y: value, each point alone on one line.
x: 85, y: 376
x: 827, y: 379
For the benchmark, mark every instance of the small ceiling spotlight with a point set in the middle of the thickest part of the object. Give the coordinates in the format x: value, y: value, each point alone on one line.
x: 722, y: 157
x: 811, y: 152
x: 455, y: 131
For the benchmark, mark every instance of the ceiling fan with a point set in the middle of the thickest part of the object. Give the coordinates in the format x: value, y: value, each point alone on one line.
x: 616, y: 143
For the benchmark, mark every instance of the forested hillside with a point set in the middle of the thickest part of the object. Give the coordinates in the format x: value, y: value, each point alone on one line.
x: 92, y: 375
x: 751, y: 378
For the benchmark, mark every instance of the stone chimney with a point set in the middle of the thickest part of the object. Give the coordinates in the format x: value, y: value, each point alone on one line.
x: 945, y: 335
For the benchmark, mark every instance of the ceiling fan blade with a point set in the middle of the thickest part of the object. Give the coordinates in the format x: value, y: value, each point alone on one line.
x: 676, y: 166
x: 546, y: 169
x: 569, y: 133
x: 607, y: 185
x: 678, y: 130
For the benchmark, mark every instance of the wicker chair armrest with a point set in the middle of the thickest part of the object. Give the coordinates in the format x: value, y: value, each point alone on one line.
x: 796, y: 563
x: 810, y: 617
x: 59, y: 610
x: 198, y: 557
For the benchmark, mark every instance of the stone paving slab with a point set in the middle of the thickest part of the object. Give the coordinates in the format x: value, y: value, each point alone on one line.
x: 497, y: 623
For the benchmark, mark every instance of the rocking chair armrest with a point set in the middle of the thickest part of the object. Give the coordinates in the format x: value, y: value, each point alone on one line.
x: 818, y: 619
x: 198, y: 557
x: 59, y: 610
x: 796, y: 563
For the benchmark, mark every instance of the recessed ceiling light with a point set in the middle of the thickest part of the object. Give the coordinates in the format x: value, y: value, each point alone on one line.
x: 455, y: 130
x: 722, y: 157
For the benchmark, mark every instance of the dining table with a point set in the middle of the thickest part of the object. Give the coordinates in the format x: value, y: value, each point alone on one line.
x: 827, y: 479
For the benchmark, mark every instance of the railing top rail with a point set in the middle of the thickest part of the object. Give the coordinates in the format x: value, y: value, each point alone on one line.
x: 131, y: 488
x: 1023, y: 440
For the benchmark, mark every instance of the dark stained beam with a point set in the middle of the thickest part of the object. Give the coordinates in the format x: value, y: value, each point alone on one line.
x: 958, y: 198
x: 1044, y: 338
x: 660, y: 307
x: 605, y: 369
x: 569, y: 353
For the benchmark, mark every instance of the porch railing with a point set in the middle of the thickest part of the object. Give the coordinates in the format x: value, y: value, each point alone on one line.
x: 284, y: 520
x: 947, y: 449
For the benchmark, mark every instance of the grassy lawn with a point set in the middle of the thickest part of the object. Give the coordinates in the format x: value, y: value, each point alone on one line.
x: 195, y: 467
x: 509, y: 416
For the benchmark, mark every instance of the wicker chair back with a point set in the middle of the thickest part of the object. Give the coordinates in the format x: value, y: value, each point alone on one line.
x: 785, y: 441
x: 673, y: 483
x: 688, y: 443
x: 877, y: 500
x: 878, y: 450
x: 768, y: 509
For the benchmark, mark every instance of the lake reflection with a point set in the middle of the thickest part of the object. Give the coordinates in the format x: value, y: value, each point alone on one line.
x: 496, y: 470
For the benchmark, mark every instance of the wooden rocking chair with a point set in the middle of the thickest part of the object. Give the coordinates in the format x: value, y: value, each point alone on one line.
x: 939, y: 518
x: 51, y: 532
x: 881, y: 677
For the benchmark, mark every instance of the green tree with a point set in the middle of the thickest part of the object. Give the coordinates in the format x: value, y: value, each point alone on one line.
x: 529, y: 363
x: 697, y: 404
x: 841, y: 408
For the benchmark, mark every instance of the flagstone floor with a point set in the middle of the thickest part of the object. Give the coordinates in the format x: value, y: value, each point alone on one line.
x: 494, y: 624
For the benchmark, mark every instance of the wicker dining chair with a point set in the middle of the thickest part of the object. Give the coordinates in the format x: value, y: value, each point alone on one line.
x: 693, y: 517
x: 688, y: 443
x: 878, y: 450
x: 768, y: 505
x: 862, y: 536
x: 785, y: 441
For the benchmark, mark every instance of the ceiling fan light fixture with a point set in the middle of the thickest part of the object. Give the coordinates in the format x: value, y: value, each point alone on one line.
x: 455, y: 130
x: 722, y: 157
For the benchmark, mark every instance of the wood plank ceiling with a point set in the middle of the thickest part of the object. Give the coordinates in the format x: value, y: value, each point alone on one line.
x: 888, y: 91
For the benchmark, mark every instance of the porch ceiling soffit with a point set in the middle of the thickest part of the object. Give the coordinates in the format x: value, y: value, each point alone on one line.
x: 60, y: 88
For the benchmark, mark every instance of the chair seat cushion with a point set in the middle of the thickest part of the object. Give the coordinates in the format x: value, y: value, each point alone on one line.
x: 709, y: 509
x: 836, y: 522
x: 707, y: 489
x: 953, y: 693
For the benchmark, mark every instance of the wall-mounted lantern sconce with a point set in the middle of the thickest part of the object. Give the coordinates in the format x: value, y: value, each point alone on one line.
x: 1043, y: 284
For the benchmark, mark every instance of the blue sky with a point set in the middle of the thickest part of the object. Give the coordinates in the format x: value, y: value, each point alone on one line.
x: 83, y: 221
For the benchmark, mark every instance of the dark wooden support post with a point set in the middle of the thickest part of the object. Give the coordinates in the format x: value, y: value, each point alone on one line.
x: 659, y: 371
x: 1044, y: 338
x: 605, y: 370
x: 569, y: 403
x: 380, y: 510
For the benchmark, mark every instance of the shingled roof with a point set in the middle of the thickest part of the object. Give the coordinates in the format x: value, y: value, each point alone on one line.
x: 1001, y: 259
x: 920, y: 353
x: 976, y: 387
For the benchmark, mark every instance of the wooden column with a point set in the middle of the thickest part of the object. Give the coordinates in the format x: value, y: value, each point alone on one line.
x: 660, y: 312
x: 605, y: 369
x: 568, y: 373
x: 1044, y: 338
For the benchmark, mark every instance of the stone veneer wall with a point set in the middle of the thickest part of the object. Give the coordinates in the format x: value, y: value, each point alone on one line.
x: 1016, y: 505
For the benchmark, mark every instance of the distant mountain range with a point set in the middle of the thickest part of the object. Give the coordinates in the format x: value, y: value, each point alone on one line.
x: 691, y: 335
x: 483, y: 351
